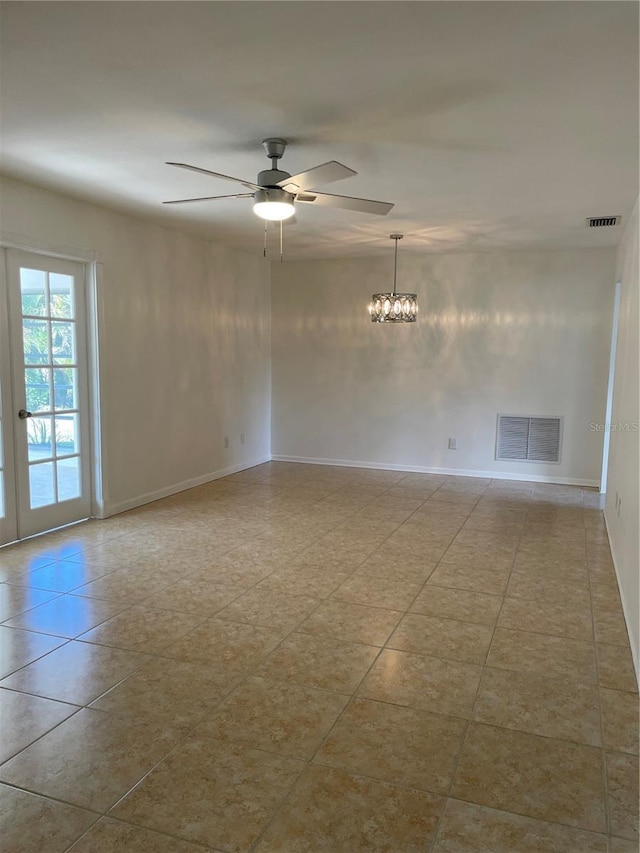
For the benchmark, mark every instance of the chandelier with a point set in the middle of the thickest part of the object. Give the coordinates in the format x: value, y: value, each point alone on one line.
x: 394, y: 307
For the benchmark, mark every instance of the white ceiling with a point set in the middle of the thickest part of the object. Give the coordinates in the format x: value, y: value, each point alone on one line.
x: 490, y: 125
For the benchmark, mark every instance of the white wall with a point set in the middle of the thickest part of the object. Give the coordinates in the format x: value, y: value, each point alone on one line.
x: 184, y: 343
x: 623, y: 520
x: 519, y: 332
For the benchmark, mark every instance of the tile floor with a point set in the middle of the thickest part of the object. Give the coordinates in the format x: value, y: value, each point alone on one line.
x: 304, y: 658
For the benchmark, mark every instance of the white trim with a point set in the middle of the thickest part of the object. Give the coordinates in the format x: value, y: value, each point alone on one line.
x: 635, y: 651
x: 114, y: 508
x: 423, y: 469
x: 94, y: 375
x: 610, y: 383
x: 13, y: 240
x: 8, y: 523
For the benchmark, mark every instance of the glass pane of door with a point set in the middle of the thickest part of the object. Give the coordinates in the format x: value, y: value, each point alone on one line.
x: 47, y: 342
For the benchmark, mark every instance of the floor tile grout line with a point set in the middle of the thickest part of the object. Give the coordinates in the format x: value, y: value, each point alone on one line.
x: 184, y: 736
x: 573, y: 826
x: 310, y: 761
x: 467, y: 516
x: 65, y: 641
x: 35, y: 793
x: 154, y: 653
x: 471, y: 718
x: 547, y: 633
x: 319, y: 604
x: 461, y: 743
x: 107, y: 571
x: 469, y: 721
x: 54, y: 596
x: 83, y: 834
x: 402, y: 786
x: 87, y: 705
x: 551, y: 738
x: 354, y: 695
x: 255, y: 671
x: 253, y: 845
x: 603, y: 753
x: 59, y: 636
x: 88, y: 831
x: 48, y: 731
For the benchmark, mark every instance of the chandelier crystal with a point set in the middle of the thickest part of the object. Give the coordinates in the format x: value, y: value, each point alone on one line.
x: 394, y: 307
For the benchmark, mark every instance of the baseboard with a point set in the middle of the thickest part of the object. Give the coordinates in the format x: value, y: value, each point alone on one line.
x: 422, y: 469
x: 635, y: 652
x: 110, y: 508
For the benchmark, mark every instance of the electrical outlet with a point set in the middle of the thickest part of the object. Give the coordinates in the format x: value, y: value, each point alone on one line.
x: 241, y: 438
x: 453, y: 444
x: 226, y: 441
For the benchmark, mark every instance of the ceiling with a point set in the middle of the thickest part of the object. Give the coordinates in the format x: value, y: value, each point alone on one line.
x: 490, y: 125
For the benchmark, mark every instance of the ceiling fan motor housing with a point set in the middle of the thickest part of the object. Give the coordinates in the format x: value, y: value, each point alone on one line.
x: 273, y: 194
x: 271, y: 177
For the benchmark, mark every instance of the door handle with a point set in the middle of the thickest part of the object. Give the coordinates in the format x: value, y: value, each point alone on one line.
x: 23, y: 414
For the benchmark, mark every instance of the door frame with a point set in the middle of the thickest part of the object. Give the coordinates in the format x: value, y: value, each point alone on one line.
x: 606, y: 438
x: 93, y: 324
x: 9, y: 523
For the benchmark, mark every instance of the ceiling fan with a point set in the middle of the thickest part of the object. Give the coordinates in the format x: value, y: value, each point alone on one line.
x: 275, y: 192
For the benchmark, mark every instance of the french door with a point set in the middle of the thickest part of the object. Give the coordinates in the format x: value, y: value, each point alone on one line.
x: 45, y: 455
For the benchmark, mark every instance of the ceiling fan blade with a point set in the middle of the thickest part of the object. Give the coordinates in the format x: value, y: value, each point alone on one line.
x: 209, y: 198
x: 364, y: 205
x: 215, y: 175
x: 326, y: 173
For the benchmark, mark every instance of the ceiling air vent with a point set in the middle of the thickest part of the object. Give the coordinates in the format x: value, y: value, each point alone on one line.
x: 603, y: 221
x: 526, y: 438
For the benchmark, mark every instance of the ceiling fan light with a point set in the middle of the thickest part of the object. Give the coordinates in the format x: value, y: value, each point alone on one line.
x: 275, y: 211
x: 273, y: 204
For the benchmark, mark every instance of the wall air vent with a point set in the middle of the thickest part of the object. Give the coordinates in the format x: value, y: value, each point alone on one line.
x: 526, y: 438
x: 603, y: 221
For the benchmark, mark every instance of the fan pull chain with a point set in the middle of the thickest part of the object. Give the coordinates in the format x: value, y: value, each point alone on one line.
x: 264, y: 250
x: 281, y: 241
